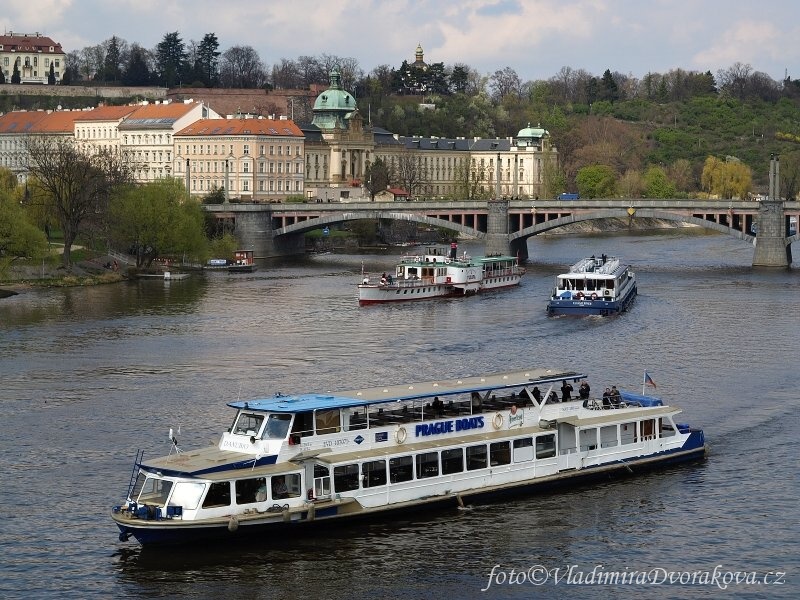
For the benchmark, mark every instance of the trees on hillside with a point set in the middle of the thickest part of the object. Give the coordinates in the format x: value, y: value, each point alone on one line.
x: 726, y: 179
x: 171, y: 60
x: 240, y: 67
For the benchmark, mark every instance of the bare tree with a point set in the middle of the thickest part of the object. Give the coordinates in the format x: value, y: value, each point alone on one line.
x: 411, y: 174
x: 74, y: 186
x: 505, y: 83
x: 241, y: 67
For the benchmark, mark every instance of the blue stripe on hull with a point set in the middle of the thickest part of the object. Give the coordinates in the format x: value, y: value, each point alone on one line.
x: 591, y: 307
x: 694, y: 449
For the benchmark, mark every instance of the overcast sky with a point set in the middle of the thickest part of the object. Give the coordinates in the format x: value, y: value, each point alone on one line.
x: 534, y: 37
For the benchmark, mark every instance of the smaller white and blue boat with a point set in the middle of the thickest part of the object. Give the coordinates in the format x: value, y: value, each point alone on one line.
x: 594, y: 286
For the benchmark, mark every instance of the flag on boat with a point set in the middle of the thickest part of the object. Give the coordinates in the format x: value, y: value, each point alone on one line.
x: 649, y: 380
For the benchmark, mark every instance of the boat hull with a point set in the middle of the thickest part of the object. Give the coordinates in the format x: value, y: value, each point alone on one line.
x: 589, y: 306
x: 403, y: 292
x: 331, y: 513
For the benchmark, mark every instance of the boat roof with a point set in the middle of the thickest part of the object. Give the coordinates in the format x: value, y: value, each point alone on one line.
x: 595, y: 267
x: 293, y: 403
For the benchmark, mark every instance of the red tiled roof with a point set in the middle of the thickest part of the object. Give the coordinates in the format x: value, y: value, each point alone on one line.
x: 57, y: 122
x: 29, y: 43
x: 272, y: 127
x: 106, y: 113
x: 20, y: 121
x: 173, y: 110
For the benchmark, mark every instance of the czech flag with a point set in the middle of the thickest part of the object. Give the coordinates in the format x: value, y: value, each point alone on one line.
x: 649, y: 380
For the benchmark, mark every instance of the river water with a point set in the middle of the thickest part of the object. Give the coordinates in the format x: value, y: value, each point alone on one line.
x: 90, y: 375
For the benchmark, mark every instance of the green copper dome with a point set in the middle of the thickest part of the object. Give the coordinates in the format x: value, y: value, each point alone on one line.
x: 335, y: 98
x: 532, y: 132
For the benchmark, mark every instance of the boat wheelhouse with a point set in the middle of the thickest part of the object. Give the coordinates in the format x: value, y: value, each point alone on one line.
x: 440, y: 272
x: 295, y: 460
x: 243, y: 262
x: 594, y: 286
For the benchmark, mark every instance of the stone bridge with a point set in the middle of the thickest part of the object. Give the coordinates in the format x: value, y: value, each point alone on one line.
x: 506, y: 225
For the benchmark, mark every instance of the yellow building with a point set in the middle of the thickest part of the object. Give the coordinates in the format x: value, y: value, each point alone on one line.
x: 34, y: 55
x: 252, y: 159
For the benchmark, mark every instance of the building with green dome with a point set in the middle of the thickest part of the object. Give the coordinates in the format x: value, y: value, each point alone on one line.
x: 338, y: 144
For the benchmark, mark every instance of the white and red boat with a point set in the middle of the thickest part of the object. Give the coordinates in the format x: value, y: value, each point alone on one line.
x: 440, y: 272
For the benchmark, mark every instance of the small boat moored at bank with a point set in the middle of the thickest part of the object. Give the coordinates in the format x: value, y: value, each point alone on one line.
x: 243, y: 262
x: 439, y: 272
x: 291, y: 461
x: 593, y: 286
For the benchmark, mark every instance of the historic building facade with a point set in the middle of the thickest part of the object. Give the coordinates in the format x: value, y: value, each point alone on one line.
x: 34, y: 55
x: 250, y: 159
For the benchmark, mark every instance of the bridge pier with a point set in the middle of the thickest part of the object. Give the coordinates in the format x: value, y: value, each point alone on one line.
x: 497, y: 228
x: 771, y: 247
x: 253, y: 230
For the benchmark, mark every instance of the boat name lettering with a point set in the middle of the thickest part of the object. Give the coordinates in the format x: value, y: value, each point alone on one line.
x: 330, y: 443
x: 236, y: 445
x: 425, y: 429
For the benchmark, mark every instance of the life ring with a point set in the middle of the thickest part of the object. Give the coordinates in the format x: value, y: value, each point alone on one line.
x: 594, y: 296
x: 401, y: 435
x: 497, y: 421
x: 579, y: 295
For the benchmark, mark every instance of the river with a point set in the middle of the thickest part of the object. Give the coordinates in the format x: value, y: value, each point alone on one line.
x: 90, y: 375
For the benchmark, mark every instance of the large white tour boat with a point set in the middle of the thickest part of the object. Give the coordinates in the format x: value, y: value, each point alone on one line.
x: 440, y: 272
x: 594, y: 286
x: 291, y: 461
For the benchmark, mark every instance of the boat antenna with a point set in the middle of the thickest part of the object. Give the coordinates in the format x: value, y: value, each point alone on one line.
x: 174, y: 441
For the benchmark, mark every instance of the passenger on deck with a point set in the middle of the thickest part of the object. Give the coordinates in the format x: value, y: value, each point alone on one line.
x: 476, y: 402
x: 389, y: 279
x: 438, y: 407
x: 365, y: 281
x: 383, y: 279
x: 566, y: 392
x: 607, y: 398
x: 616, y: 398
x: 537, y: 395
x: 583, y: 390
x: 553, y: 397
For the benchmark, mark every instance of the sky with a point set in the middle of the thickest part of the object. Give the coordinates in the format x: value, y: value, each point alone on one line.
x: 535, y: 38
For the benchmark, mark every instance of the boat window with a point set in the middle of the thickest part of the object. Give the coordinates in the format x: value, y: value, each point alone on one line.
x: 588, y: 439
x: 648, y: 429
x: 374, y: 473
x: 667, y: 430
x: 608, y: 436
x: 322, y: 481
x: 137, y: 487
x: 499, y: 453
x: 187, y: 494
x: 452, y: 461
x: 251, y: 490
x: 476, y: 457
x: 546, y: 446
x: 327, y: 421
x: 427, y: 464
x: 523, y: 449
x: 303, y: 424
x: 277, y: 426
x: 154, y: 491
x: 627, y: 433
x: 248, y: 424
x: 401, y: 468
x: 219, y: 494
x: 345, y: 478
x: 285, y: 486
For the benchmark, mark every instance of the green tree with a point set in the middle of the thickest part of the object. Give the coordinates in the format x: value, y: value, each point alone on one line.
x: 137, y: 70
x: 15, y: 76
x: 377, y: 177
x: 207, y: 66
x: 51, y: 77
x: 159, y: 220
x: 19, y: 238
x: 171, y: 63
x: 72, y: 185
x: 656, y: 184
x: 112, y: 64
x: 725, y: 179
x: 596, y: 181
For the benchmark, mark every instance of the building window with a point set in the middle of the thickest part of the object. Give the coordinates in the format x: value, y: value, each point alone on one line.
x: 247, y: 148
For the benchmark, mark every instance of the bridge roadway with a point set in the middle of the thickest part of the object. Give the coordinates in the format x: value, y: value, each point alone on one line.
x: 505, y: 226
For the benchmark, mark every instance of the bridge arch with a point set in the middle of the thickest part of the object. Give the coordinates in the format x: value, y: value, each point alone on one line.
x: 330, y: 219
x: 640, y: 213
